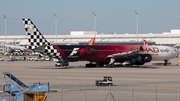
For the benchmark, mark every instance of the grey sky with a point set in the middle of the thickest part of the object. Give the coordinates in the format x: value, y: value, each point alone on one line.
x: 155, y: 16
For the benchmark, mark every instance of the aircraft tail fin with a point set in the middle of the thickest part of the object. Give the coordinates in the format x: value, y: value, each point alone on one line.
x: 92, y: 41
x: 35, y: 38
x: 145, y: 42
x: 38, y: 43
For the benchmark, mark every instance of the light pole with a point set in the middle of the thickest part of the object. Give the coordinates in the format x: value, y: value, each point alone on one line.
x: 5, y: 33
x: 137, y: 24
x: 94, y: 23
x: 55, y: 25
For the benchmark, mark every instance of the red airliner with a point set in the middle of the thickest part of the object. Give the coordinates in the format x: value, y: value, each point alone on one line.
x: 100, y: 54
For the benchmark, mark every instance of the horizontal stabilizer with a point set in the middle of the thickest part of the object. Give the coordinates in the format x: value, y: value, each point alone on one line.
x: 38, y: 49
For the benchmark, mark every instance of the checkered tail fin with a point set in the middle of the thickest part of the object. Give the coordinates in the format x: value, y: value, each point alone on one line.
x: 38, y: 43
x: 35, y: 38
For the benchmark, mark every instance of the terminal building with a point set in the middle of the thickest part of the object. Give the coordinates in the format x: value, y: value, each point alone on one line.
x: 83, y: 37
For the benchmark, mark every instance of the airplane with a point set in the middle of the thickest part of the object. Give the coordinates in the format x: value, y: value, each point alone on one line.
x: 72, y: 42
x: 165, y: 60
x: 17, y: 47
x: 25, y: 49
x: 145, y: 42
x: 92, y: 41
x: 100, y: 54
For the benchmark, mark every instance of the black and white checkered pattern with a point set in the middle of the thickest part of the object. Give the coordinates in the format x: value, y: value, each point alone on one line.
x: 51, y: 51
x: 36, y: 40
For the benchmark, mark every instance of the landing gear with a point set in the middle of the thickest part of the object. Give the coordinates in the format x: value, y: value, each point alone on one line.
x: 165, y: 62
x: 97, y: 64
x: 90, y: 65
x: 100, y: 64
x: 110, y: 66
x: 111, y: 63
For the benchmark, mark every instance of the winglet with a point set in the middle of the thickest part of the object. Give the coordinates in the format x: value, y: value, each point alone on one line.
x: 141, y: 48
x: 92, y: 41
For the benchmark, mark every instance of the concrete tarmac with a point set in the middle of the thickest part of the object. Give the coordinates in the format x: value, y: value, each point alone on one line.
x: 138, y: 83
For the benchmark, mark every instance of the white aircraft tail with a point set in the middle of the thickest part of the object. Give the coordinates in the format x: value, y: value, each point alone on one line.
x: 145, y: 42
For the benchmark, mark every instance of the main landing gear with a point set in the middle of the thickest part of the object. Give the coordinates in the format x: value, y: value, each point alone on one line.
x: 166, y: 62
x: 100, y: 64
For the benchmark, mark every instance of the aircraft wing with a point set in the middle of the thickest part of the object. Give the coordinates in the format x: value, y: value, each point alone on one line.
x: 125, y: 54
x: 15, y: 46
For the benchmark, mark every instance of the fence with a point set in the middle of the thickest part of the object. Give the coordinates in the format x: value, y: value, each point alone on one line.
x: 112, y: 93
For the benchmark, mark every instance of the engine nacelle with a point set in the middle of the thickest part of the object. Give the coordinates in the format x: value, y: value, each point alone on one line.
x: 133, y: 60
x: 146, y: 57
x: 142, y: 59
x: 139, y: 58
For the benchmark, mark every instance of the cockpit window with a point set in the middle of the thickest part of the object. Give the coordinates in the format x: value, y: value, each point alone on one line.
x: 177, y: 47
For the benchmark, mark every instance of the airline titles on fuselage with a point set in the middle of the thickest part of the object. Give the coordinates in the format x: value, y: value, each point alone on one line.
x: 152, y: 50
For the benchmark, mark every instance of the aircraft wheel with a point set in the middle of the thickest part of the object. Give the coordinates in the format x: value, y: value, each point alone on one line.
x: 165, y: 62
x: 113, y: 65
x: 97, y: 65
x: 108, y: 66
x: 88, y: 65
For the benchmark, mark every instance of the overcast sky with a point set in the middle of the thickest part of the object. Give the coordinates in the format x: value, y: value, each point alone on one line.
x: 113, y: 16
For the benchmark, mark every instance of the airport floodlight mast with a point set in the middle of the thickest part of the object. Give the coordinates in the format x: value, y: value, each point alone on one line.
x: 94, y: 23
x: 55, y: 25
x: 137, y: 24
x: 5, y: 34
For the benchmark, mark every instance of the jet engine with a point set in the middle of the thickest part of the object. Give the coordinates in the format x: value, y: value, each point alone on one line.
x: 138, y: 58
x: 142, y: 59
x: 146, y: 57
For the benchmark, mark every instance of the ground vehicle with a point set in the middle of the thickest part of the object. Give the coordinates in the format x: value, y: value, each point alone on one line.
x: 120, y: 64
x: 126, y: 63
x: 1, y: 59
x: 39, y: 59
x: 61, y: 63
x: 13, y: 59
x: 105, y: 82
x: 30, y: 59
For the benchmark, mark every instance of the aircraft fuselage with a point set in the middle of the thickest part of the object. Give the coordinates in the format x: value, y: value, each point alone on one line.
x: 98, y: 53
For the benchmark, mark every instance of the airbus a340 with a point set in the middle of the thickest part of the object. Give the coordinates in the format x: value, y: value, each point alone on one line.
x: 101, y: 54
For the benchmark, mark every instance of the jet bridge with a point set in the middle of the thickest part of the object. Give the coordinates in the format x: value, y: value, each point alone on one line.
x: 15, y: 90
